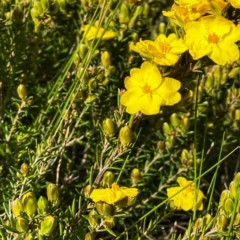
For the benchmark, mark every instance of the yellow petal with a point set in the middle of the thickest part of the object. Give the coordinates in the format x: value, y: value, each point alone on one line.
x: 104, y: 195
x: 130, y: 192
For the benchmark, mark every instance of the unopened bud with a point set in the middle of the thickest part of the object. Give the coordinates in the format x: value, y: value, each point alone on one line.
x: 198, y: 225
x: 207, y: 220
x: 106, y: 59
x: 185, y: 124
x: 109, y: 222
x: 53, y: 192
x: 108, y: 179
x: 171, y: 140
x: 232, y: 189
x: 125, y: 135
x: 221, y: 222
x: 104, y: 208
x: 108, y: 127
x: 29, y: 202
x: 166, y: 128
x: 87, y: 191
x: 234, y: 72
x: 162, y: 28
x: 237, y: 180
x: 236, y: 221
x: 42, y: 205
x: 24, y: 169
x: 228, y: 206
x: 17, y: 207
x: 184, y: 156
x: 135, y: 175
x: 21, y: 224
x: 89, y: 236
x: 45, y: 5
x: 174, y: 120
x: 83, y: 50
x: 92, y: 218
x: 224, y: 195
x: 90, y: 98
x: 22, y: 91
x: 161, y: 145
x: 47, y: 225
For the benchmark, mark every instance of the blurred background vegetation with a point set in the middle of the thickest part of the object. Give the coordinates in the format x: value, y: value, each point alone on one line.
x: 54, y: 133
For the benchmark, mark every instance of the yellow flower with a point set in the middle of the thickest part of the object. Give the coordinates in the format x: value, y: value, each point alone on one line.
x: 235, y: 3
x: 184, y: 11
x: 215, y: 37
x: 113, y: 194
x: 92, y: 32
x: 147, y: 90
x: 163, y: 51
x: 185, y: 200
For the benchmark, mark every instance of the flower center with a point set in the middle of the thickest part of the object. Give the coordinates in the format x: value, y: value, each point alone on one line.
x: 213, y: 38
x: 164, y: 47
x: 146, y: 88
x: 115, y: 187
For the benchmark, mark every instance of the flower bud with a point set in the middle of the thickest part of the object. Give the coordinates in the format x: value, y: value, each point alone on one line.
x: 29, y: 202
x: 232, y: 189
x: 221, y: 222
x: 90, y: 98
x: 166, y: 128
x: 44, y: 5
x: 42, y: 205
x: 124, y: 14
x: 184, y: 156
x: 24, y: 169
x: 236, y: 221
x: 207, y: 221
x: 185, y: 124
x: 133, y: 19
x: 38, y: 7
x: 106, y: 59
x: 53, y: 192
x: 234, y: 72
x: 22, y: 91
x: 224, y: 195
x: 135, y: 37
x: 174, y: 120
x: 83, y: 50
x: 17, y: 15
x: 29, y: 236
x: 87, y: 191
x: 161, y: 145
x: 89, y: 236
x: 237, y: 180
x: 224, y: 78
x: 171, y: 140
x: 135, y: 175
x: 21, y: 224
x: 109, y: 222
x: 108, y: 127
x: 125, y: 135
x: 47, y: 225
x: 93, y: 221
x: 104, y: 208
x: 228, y: 206
x: 17, y: 207
x: 162, y: 28
x: 198, y: 225
x: 108, y: 179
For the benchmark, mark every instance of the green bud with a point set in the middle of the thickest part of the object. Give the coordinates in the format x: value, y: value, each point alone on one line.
x: 87, y: 190
x: 236, y: 221
x: 24, y: 169
x: 82, y: 50
x: 62, y: 6
x: 90, y: 99
x: 221, y: 222
x: 174, y: 120
x: 106, y: 59
x: 42, y: 205
x: 29, y: 202
x: 234, y: 72
x: 166, y: 128
x: 207, y: 220
x: 185, y: 124
x: 228, y: 206
x: 38, y: 7
x: 108, y: 127
x: 21, y: 224
x: 44, y: 5
x: 125, y: 202
x: 146, y: 10
x: 22, y: 91
x: 125, y: 135
x: 237, y: 180
x: 224, y: 195
x: 92, y: 218
x: 137, y: 12
x: 198, y: 225
x: 89, y: 236
x: 217, y: 73
x: 237, y: 115
x: 232, y: 189
x: 53, y: 192
x: 47, y: 225
x: 184, y: 156
x: 124, y: 14
x: 92, y: 84
x: 135, y: 175
x: 17, y: 207
x: 104, y: 208
x: 162, y: 28
x: 161, y: 145
x: 17, y: 15
x: 29, y: 236
x: 109, y: 222
x: 108, y: 179
x: 34, y: 14
x: 224, y: 78
x: 135, y: 37
x: 171, y: 140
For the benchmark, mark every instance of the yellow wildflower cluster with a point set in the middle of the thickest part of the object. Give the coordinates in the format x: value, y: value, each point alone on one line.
x: 185, y: 198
